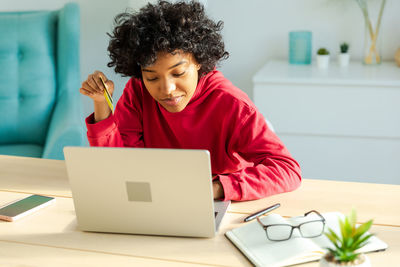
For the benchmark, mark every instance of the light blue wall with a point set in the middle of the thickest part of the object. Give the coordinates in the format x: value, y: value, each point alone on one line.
x: 257, y: 30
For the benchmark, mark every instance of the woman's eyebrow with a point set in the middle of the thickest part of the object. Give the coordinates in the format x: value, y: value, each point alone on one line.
x: 146, y: 70
x: 177, y: 64
x: 174, y: 66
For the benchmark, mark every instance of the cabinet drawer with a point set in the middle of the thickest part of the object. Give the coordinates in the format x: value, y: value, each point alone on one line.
x: 347, y: 159
x: 331, y: 110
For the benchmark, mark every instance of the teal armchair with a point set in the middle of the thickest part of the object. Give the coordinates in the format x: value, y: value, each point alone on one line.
x: 40, y: 106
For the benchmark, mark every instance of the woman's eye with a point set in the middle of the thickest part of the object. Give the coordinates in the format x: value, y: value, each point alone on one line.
x: 151, y: 79
x: 179, y: 74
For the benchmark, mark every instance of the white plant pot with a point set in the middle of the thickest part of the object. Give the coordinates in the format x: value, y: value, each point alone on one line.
x: 344, y: 59
x: 323, y: 61
x: 366, y: 263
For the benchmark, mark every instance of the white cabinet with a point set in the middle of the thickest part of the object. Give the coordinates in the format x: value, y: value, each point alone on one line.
x: 339, y: 123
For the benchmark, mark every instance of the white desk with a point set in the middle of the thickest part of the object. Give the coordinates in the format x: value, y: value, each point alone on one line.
x: 50, y: 237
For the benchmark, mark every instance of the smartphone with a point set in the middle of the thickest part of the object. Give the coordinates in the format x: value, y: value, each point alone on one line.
x: 23, y: 207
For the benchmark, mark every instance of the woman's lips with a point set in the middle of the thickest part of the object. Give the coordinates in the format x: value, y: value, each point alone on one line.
x: 172, y: 101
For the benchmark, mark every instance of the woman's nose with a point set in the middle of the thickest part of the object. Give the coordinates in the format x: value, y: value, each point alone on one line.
x: 168, y: 87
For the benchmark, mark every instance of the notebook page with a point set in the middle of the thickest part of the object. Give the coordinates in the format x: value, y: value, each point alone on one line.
x: 251, y: 239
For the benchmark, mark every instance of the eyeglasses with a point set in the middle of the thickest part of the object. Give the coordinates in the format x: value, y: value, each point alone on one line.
x: 308, y: 229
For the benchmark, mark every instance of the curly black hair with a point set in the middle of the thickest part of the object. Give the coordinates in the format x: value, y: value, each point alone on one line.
x: 165, y: 27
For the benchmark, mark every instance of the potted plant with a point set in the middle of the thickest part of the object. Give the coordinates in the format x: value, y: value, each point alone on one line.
x: 346, y: 244
x: 344, y: 56
x: 322, y: 58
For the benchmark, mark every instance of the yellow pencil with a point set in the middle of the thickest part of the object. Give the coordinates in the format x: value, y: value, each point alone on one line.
x: 107, y: 96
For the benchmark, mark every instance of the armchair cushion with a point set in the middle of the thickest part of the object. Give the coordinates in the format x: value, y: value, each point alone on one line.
x: 27, y: 79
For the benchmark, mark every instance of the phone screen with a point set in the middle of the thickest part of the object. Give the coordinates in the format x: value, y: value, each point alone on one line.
x: 24, y: 205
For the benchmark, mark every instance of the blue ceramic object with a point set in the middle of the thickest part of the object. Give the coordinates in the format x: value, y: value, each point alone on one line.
x: 300, y: 47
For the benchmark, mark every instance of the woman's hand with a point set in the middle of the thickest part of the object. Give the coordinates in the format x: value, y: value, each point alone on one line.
x: 218, y: 189
x: 94, y: 88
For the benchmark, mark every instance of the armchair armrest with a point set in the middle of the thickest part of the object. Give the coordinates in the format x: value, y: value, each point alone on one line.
x: 66, y: 126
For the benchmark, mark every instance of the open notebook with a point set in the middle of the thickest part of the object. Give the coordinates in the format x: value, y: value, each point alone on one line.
x: 252, y: 241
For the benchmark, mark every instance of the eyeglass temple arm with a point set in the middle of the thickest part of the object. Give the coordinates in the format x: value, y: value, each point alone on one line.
x: 319, y: 214
x: 258, y: 219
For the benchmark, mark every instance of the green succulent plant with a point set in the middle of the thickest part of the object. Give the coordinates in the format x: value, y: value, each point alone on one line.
x: 350, y: 239
x: 323, y: 51
x: 344, y: 47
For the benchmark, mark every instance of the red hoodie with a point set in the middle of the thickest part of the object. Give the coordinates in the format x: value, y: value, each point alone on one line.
x: 246, y: 156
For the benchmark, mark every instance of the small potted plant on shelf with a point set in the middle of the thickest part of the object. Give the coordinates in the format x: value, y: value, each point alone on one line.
x: 346, y: 243
x: 322, y: 58
x: 344, y: 56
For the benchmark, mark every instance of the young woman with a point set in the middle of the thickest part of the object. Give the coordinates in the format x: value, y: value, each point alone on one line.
x: 177, y: 99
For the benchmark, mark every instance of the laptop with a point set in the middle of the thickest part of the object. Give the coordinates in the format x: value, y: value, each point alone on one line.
x: 144, y: 191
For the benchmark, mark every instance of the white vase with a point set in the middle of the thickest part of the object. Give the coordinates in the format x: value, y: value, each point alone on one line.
x: 344, y: 59
x: 323, y: 61
x: 366, y: 263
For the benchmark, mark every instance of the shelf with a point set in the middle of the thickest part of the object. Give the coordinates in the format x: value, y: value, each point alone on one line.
x: 280, y: 71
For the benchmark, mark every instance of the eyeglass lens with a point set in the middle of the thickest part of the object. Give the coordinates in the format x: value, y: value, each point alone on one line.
x: 312, y: 229
x: 279, y: 232
x: 283, y: 232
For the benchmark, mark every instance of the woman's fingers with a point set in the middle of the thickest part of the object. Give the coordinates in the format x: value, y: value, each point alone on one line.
x: 94, y: 84
x: 110, y: 86
x: 97, y: 77
x: 100, y: 78
x: 85, y: 92
x: 94, y: 87
x: 88, y: 87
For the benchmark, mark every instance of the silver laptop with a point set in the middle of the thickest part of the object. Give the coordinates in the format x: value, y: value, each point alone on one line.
x: 144, y: 191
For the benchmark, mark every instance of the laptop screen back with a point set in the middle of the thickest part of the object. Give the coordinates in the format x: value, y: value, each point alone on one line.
x: 142, y: 190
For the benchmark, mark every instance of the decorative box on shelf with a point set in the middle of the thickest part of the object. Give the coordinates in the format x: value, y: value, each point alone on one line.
x: 339, y: 123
